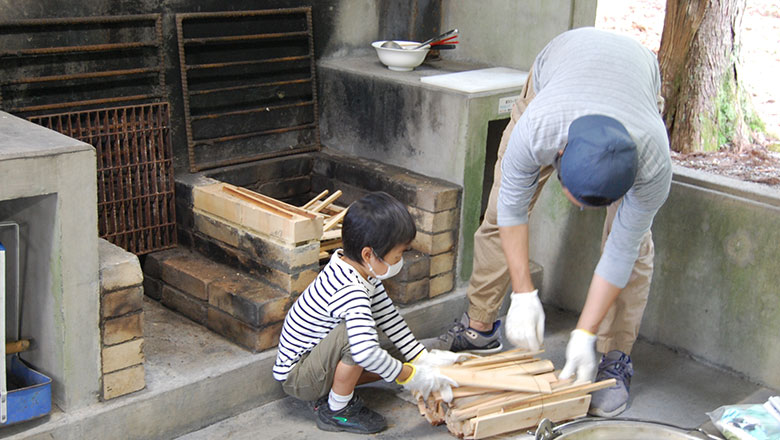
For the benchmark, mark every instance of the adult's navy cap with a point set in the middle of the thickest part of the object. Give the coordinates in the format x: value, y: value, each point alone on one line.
x: 599, y: 163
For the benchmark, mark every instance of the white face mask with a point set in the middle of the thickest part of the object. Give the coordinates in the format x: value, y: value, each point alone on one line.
x: 392, y: 269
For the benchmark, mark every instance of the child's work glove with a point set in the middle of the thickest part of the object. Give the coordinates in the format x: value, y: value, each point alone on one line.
x: 441, y: 358
x: 525, y: 321
x: 580, y: 357
x: 426, y: 379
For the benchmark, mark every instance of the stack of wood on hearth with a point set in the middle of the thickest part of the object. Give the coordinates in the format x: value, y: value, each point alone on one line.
x: 506, y: 392
x: 331, y: 213
x: 331, y: 229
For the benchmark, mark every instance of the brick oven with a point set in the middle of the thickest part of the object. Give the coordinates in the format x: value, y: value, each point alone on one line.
x: 240, y: 275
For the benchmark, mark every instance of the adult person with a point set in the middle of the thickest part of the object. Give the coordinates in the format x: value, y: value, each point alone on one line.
x: 590, y: 110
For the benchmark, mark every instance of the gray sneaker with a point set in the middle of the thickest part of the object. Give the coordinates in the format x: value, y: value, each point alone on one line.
x: 461, y: 337
x: 612, y: 401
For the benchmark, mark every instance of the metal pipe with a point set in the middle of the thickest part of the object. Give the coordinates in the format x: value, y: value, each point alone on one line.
x: 200, y: 166
x: 265, y: 109
x: 73, y: 104
x: 239, y: 14
x: 79, y: 20
x: 250, y: 37
x: 244, y: 63
x: 250, y: 86
x: 87, y: 75
x: 73, y: 49
x: 233, y: 137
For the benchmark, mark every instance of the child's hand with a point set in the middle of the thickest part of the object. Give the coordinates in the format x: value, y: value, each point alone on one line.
x: 426, y: 379
x: 441, y: 358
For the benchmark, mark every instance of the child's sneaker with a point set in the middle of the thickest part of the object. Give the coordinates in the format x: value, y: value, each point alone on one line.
x: 461, y: 337
x: 354, y: 417
x: 315, y: 405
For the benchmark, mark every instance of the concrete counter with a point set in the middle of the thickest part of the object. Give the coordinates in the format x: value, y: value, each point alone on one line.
x: 49, y: 188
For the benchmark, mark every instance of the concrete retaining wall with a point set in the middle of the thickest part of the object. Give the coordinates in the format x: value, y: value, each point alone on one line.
x: 715, y: 288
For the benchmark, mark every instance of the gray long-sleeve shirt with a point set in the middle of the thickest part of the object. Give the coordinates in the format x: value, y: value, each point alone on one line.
x: 587, y: 71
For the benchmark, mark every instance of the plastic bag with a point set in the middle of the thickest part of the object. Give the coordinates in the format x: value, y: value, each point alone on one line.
x: 746, y: 422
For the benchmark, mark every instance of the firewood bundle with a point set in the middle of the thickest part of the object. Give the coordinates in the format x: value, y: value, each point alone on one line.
x: 506, y: 392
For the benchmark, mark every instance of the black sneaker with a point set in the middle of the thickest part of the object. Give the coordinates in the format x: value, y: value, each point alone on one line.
x: 315, y: 405
x: 461, y: 337
x: 354, y: 417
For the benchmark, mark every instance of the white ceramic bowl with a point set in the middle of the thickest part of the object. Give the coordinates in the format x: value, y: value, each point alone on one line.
x: 402, y: 60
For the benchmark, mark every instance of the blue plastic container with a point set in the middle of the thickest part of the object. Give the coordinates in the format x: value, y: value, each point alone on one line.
x: 30, y: 397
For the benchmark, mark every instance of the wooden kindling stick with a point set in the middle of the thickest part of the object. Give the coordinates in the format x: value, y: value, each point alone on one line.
x: 315, y: 200
x: 333, y: 221
x: 327, y: 201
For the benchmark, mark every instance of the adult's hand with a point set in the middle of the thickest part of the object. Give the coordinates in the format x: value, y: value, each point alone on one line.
x: 580, y: 357
x: 525, y: 321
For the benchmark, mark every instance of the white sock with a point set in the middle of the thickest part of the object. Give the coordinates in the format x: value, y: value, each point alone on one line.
x: 337, y: 402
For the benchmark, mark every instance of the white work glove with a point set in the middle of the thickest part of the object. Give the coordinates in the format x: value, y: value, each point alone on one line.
x: 441, y: 358
x: 580, y: 357
x: 426, y: 379
x: 525, y: 321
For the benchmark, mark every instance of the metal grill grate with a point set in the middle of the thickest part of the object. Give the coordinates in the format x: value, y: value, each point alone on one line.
x: 80, y: 63
x: 84, y: 67
x: 248, y: 84
x: 134, y: 169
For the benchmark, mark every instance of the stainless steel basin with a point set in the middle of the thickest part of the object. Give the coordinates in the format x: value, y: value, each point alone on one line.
x: 613, y: 430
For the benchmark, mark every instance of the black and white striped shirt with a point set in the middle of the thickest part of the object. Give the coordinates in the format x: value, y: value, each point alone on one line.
x: 340, y: 293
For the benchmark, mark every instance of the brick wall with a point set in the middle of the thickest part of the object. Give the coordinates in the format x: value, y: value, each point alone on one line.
x: 121, y: 321
x: 232, y: 303
x: 429, y: 268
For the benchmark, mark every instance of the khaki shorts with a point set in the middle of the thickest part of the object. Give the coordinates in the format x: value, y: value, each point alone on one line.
x: 312, y: 377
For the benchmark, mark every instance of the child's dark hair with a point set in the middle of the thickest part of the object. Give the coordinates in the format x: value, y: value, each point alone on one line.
x: 378, y: 221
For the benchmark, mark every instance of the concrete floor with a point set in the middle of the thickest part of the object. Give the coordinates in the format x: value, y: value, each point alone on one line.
x: 201, y: 386
x: 667, y: 386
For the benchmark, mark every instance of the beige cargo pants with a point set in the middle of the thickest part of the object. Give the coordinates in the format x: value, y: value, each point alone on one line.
x: 490, y: 280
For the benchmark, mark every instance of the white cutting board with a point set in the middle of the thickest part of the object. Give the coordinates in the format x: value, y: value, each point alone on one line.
x: 481, y: 80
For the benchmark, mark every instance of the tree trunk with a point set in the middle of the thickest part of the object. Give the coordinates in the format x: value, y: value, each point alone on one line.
x: 699, y: 58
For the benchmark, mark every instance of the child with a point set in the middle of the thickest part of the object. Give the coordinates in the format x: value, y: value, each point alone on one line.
x: 329, y: 340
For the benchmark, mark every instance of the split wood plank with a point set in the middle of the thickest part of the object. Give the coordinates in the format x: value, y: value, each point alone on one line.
x: 267, y: 206
x: 500, y: 364
x: 216, y: 201
x: 510, y: 401
x: 465, y: 392
x: 333, y: 234
x: 327, y: 201
x: 261, y: 198
x: 510, y: 355
x: 499, y: 381
x: 330, y: 245
x: 334, y: 220
x: 333, y: 209
x: 495, y: 424
x: 536, y: 367
x: 315, y: 200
